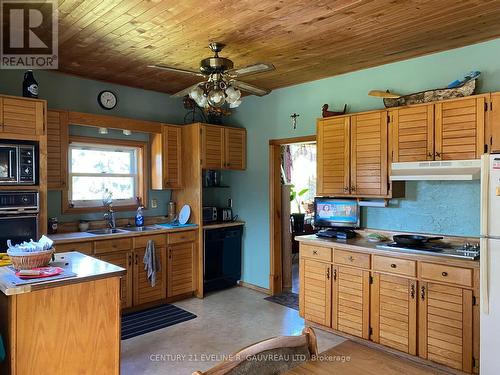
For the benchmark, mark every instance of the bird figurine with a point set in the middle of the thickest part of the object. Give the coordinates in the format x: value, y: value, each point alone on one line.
x: 326, y: 113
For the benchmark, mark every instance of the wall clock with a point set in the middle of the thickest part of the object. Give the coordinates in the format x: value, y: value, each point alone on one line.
x: 107, y: 99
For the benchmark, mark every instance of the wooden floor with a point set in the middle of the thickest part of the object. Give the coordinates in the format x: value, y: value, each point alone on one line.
x: 350, y: 358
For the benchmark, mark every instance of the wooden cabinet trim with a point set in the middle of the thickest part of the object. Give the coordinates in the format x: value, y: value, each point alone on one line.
x: 446, y: 274
x: 316, y: 252
x: 395, y: 266
x: 351, y: 258
x: 108, y: 246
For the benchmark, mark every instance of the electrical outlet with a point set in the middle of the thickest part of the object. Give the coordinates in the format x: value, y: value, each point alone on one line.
x: 154, y: 203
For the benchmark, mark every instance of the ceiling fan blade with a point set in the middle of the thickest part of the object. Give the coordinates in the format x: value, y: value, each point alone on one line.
x: 186, y: 91
x: 249, y: 88
x: 176, y: 70
x: 250, y: 69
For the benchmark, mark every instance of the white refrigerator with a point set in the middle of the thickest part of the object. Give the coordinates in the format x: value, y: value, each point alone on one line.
x: 490, y: 266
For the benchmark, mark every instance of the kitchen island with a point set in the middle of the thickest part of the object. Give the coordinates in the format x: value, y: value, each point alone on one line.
x: 64, y: 326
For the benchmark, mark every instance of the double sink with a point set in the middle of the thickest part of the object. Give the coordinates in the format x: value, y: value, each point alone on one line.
x: 122, y: 230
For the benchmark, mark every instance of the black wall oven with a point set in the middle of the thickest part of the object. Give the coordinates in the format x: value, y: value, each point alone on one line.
x: 18, y: 162
x: 18, y: 217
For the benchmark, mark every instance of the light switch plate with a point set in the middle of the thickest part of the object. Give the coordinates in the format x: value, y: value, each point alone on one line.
x: 154, y: 203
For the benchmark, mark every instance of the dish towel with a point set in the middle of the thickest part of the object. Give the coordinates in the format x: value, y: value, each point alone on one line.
x: 151, y: 264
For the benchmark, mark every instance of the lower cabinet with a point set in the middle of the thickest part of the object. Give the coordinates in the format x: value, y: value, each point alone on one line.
x: 180, y: 269
x: 445, y: 325
x: 316, y: 291
x: 143, y: 291
x: 394, y: 312
x: 351, y: 301
x: 122, y: 259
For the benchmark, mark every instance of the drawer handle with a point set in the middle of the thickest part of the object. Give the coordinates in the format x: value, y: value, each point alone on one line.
x: 412, y: 291
x: 444, y: 273
x: 393, y: 265
x: 351, y: 258
x: 328, y: 273
x: 334, y: 274
x: 422, y: 293
x: 315, y: 252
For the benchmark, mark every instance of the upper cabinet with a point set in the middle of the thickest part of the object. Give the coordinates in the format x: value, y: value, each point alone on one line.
x: 493, y: 136
x: 447, y: 130
x: 369, y: 154
x: 166, y: 158
x: 22, y: 116
x: 223, y: 147
x: 57, y: 149
x: 333, y: 145
x: 353, y: 155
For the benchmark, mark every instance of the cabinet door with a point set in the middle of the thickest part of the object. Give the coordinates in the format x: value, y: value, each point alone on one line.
x: 351, y: 301
x: 180, y: 268
x: 212, y: 145
x: 316, y: 291
x: 143, y: 291
x: 57, y: 149
x: 460, y: 129
x: 445, y: 325
x: 333, y: 158
x: 235, y: 141
x: 494, y: 122
x: 413, y: 133
x: 394, y: 312
x: 124, y: 260
x: 23, y: 116
x: 369, y: 154
x: 172, y: 157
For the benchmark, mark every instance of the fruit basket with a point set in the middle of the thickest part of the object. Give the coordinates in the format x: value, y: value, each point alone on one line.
x: 25, y: 260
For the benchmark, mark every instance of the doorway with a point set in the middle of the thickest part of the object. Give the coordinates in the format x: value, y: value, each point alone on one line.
x: 292, y: 188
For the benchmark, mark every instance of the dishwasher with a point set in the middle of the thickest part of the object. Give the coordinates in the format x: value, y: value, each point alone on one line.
x: 222, y: 255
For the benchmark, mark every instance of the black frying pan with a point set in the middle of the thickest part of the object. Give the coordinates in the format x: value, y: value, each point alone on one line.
x: 413, y: 239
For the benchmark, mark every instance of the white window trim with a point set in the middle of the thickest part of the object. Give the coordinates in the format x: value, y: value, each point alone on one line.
x: 98, y: 202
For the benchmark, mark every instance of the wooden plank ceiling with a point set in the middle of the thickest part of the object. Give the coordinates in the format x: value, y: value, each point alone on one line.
x: 114, y: 40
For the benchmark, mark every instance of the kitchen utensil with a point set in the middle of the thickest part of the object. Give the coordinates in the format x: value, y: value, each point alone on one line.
x: 184, y: 214
x: 413, y: 239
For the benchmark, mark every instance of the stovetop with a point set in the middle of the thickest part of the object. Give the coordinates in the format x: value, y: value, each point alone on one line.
x: 465, y: 251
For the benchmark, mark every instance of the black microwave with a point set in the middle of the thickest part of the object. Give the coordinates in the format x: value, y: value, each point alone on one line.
x: 18, y: 163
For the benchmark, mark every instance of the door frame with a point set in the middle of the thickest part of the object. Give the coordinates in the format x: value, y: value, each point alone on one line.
x: 276, y: 261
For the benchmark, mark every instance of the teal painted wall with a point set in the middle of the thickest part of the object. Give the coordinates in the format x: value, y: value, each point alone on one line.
x: 431, y: 207
x: 78, y: 94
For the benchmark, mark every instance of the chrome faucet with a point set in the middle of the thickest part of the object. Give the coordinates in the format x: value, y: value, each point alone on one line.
x: 109, y: 216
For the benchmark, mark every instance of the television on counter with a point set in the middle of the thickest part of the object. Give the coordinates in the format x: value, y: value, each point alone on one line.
x: 336, y: 213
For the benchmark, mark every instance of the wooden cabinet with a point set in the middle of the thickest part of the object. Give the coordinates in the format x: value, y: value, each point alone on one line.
x: 333, y: 156
x: 122, y: 259
x: 447, y: 130
x: 412, y: 133
x: 369, y: 169
x: 143, y: 291
x: 351, y: 301
x: 86, y: 248
x: 394, y: 312
x: 459, y: 129
x: 57, y: 149
x: 445, y: 330
x: 166, y: 158
x: 223, y: 147
x: 181, y: 258
x: 316, y: 291
x: 493, y: 135
x: 235, y: 142
x: 22, y: 116
x: 212, y: 147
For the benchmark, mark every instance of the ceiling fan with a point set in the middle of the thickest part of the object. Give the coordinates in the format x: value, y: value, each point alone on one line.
x: 221, y: 84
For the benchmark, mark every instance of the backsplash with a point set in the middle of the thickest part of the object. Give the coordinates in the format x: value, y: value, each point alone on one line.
x: 439, y: 207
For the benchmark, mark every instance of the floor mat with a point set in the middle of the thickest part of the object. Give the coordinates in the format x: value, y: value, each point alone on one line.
x: 287, y: 299
x: 141, y: 322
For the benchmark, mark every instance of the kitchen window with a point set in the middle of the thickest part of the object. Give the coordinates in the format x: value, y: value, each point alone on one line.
x: 96, y: 170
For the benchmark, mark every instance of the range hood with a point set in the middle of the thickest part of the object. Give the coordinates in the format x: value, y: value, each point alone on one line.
x: 436, y: 170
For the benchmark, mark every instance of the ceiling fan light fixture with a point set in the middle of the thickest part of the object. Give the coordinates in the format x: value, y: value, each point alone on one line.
x: 201, y: 101
x: 232, y: 94
x: 216, y: 97
x: 196, y: 93
x: 235, y: 104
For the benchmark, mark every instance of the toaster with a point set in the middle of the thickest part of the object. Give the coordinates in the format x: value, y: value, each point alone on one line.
x: 209, y: 214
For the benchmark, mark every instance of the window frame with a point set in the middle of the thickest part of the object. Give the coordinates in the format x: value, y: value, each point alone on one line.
x: 142, y: 173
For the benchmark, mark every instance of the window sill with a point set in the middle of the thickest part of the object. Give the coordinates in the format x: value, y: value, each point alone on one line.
x: 82, y: 210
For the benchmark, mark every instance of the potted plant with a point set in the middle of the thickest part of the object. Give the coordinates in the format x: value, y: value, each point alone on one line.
x: 297, y: 219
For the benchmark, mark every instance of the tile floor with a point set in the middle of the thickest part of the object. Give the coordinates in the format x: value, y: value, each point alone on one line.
x: 226, y: 322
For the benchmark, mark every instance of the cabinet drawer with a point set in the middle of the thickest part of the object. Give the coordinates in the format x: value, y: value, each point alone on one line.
x: 108, y: 246
x: 351, y: 258
x: 82, y: 247
x: 395, y: 265
x: 447, y: 274
x: 316, y: 252
x: 142, y: 241
x: 178, y: 237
